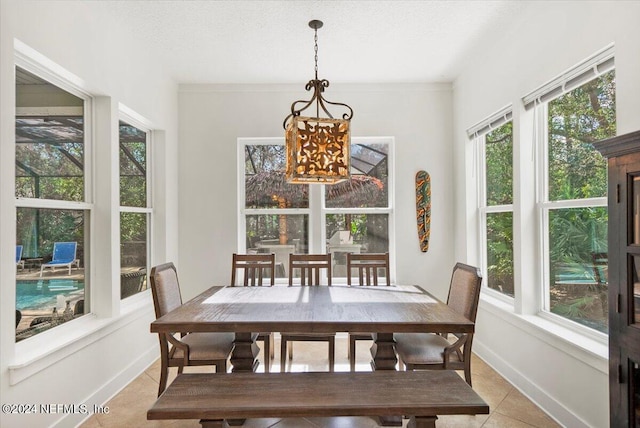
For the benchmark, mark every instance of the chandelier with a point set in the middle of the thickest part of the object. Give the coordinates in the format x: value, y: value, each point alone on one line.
x: 317, y: 148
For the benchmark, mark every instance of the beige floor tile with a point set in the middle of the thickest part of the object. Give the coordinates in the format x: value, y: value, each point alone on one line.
x: 294, y: 423
x: 492, y: 389
x: 461, y: 421
x: 129, y: 407
x: 496, y: 420
x: 517, y: 406
x: 92, y: 422
x: 261, y: 423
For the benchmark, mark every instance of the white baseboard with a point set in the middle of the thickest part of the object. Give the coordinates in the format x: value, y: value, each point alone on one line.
x: 107, y: 391
x: 533, y: 392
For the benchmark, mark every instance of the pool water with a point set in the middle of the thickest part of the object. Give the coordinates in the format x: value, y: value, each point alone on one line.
x: 43, y: 294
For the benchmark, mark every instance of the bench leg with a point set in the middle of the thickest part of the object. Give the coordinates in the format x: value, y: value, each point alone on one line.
x: 213, y: 423
x: 422, y: 422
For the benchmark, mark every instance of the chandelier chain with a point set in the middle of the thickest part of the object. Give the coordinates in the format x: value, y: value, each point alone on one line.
x: 315, y: 48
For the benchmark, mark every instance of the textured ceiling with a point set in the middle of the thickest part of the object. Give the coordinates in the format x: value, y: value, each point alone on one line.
x: 270, y: 41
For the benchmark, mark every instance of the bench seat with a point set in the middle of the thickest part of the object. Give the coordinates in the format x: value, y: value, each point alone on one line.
x: 213, y: 398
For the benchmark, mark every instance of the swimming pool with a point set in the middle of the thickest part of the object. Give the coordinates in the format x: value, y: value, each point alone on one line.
x: 44, y: 293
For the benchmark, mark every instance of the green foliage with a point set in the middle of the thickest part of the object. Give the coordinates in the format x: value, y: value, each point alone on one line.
x: 574, y: 309
x: 500, y: 252
x: 576, y: 120
x: 499, y: 165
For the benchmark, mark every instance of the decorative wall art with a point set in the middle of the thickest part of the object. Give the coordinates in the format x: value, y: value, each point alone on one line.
x: 423, y: 208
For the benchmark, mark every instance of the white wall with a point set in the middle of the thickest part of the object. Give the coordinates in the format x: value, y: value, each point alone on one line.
x: 85, y: 40
x: 570, y: 382
x: 213, y: 117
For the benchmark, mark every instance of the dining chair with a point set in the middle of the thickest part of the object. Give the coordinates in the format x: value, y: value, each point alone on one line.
x: 368, y: 266
x: 256, y: 268
x: 430, y: 351
x: 190, y: 349
x: 311, y: 267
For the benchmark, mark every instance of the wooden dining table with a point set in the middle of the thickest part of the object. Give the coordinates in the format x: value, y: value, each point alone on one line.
x: 313, y: 309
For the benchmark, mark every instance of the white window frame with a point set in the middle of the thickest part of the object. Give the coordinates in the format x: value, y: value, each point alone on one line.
x: 479, y: 132
x: 132, y: 118
x: 317, y: 210
x: 47, y: 341
x: 543, y: 207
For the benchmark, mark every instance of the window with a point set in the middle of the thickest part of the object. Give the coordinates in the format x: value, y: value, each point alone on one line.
x: 495, y: 146
x: 570, y: 113
x: 135, y: 211
x: 52, y: 200
x: 573, y: 205
x: 493, y: 139
x: 357, y: 212
x: 282, y: 218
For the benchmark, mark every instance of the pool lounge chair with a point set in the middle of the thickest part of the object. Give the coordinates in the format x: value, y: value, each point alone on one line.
x: 64, y: 254
x: 19, y: 261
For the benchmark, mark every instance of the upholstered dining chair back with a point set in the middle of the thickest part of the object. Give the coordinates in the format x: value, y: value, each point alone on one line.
x: 368, y: 266
x: 464, y: 291
x: 165, y: 289
x: 256, y: 268
x: 310, y: 266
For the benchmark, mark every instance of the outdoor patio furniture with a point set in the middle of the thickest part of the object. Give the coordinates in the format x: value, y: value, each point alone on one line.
x: 132, y: 283
x: 19, y: 261
x: 64, y: 255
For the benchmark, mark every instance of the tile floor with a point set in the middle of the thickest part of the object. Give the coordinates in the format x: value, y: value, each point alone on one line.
x: 509, y: 408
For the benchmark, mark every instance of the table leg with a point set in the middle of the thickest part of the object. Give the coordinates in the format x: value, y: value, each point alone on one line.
x: 245, y: 353
x: 383, y: 352
x: 384, y: 358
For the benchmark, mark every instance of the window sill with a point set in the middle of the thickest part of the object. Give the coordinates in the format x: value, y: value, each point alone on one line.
x: 590, y: 351
x: 47, y: 348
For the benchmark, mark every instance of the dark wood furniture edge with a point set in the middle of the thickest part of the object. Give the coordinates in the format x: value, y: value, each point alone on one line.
x: 215, y: 397
x: 619, y: 145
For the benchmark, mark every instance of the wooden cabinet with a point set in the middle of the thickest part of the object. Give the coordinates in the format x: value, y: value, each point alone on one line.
x: 623, y: 153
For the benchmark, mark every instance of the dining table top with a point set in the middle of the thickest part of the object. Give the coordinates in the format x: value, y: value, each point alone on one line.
x: 314, y: 309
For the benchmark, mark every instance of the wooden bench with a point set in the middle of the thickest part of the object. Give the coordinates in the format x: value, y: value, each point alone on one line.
x: 214, y: 398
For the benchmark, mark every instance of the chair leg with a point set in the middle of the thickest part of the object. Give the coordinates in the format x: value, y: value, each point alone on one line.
x: 332, y: 354
x: 267, y: 353
x: 352, y: 353
x: 164, y: 374
x: 291, y: 351
x: 180, y: 368
x: 283, y: 355
x: 272, y: 346
x: 467, y: 374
